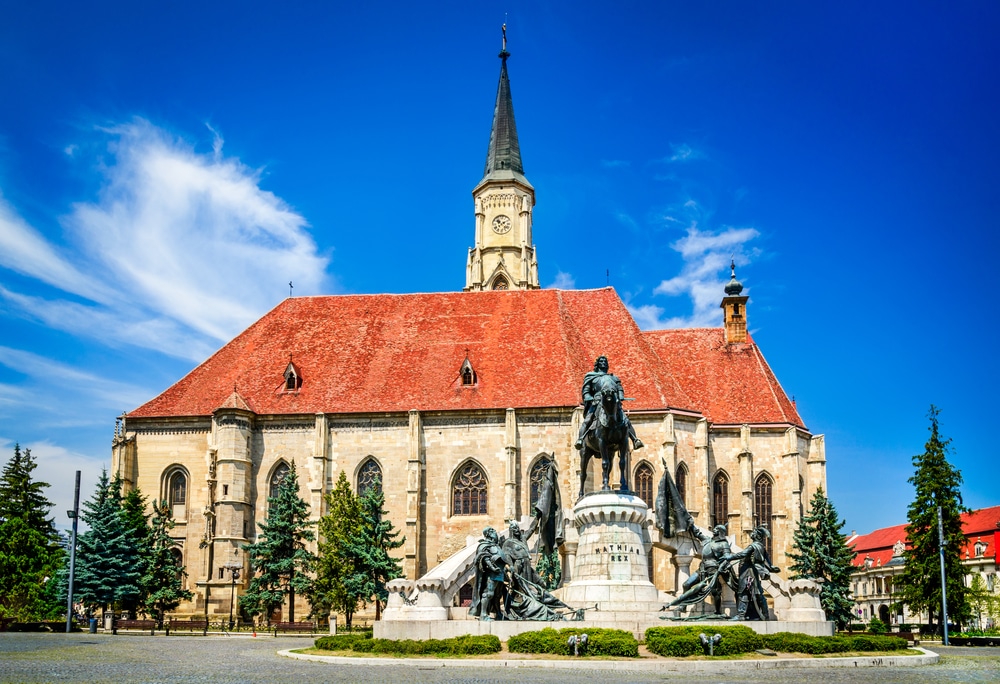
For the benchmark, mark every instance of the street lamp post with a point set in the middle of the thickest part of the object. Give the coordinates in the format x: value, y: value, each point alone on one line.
x: 75, y: 516
x: 234, y: 572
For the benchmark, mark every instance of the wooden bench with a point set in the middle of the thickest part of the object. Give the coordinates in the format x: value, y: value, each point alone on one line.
x: 309, y: 627
x: 187, y: 626
x: 137, y: 624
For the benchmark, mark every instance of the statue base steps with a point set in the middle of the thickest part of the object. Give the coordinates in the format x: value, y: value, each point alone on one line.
x: 637, y: 623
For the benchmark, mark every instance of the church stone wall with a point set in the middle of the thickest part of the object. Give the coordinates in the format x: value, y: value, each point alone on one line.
x: 419, y: 455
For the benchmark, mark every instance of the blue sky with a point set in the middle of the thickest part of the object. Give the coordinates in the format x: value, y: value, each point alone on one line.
x: 167, y: 168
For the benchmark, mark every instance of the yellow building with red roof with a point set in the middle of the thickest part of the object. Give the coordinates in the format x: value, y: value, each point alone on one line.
x: 879, y: 560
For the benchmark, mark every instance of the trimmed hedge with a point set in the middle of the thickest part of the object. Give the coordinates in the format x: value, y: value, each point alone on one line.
x: 339, y: 642
x: 600, y: 642
x: 680, y: 642
x: 463, y: 645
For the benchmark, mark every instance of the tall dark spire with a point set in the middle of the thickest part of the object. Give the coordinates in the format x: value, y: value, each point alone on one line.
x: 503, y: 158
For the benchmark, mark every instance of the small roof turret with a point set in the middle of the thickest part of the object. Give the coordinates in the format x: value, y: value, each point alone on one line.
x: 734, y: 287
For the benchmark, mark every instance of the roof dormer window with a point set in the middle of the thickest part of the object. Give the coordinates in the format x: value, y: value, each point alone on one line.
x: 468, y: 374
x: 293, y: 378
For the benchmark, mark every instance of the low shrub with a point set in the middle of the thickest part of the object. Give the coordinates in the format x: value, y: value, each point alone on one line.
x: 600, y: 642
x: 870, y: 642
x: 463, y: 645
x: 339, y: 642
x: 876, y: 626
x: 680, y: 642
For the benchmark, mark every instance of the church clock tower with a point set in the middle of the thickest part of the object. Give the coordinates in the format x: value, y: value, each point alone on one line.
x: 504, y: 256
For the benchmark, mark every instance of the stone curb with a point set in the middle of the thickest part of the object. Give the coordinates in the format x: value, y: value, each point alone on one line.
x: 662, y: 665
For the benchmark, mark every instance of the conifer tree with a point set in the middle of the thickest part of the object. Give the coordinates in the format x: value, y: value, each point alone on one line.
x: 279, y: 559
x: 30, y: 553
x: 333, y: 565
x: 134, y: 516
x: 936, y: 483
x: 820, y: 552
x: 24, y: 498
x: 163, y: 580
x: 369, y: 548
x: 108, y: 566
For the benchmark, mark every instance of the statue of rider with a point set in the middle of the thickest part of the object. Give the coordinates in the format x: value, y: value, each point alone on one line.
x: 590, y: 402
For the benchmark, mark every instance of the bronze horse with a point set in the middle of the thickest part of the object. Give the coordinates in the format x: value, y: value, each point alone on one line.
x: 608, y: 434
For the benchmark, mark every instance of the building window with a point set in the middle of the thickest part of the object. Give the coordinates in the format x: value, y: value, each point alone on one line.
x: 644, y: 483
x: 468, y: 373
x: 369, y: 477
x: 736, y: 309
x: 720, y: 500
x: 177, y: 494
x: 500, y: 283
x: 762, y: 510
x: 469, y: 491
x: 536, y: 479
x: 293, y: 379
x: 277, y: 477
x: 682, y: 482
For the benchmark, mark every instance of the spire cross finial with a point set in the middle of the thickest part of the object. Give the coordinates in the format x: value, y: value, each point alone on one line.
x: 503, y: 51
x: 732, y: 263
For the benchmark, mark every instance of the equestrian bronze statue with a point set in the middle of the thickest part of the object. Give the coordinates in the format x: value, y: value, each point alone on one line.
x: 606, y: 429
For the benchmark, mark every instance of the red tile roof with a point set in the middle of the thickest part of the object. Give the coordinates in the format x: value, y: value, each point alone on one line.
x: 727, y: 383
x: 377, y: 353
x: 979, y: 526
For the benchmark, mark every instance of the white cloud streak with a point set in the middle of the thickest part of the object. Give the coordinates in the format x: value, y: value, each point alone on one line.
x: 706, y: 255
x: 179, y: 253
x: 563, y: 281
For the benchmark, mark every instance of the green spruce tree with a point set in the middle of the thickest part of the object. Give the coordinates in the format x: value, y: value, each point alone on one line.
x: 936, y: 483
x: 820, y: 553
x: 108, y: 566
x: 279, y: 559
x: 369, y: 549
x: 334, y: 565
x: 163, y: 580
x: 30, y: 551
x: 137, y: 522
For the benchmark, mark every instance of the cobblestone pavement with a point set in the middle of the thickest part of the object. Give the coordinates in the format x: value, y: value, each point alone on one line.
x: 105, y: 658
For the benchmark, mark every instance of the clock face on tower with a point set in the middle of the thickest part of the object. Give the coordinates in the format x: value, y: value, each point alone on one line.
x: 501, y: 224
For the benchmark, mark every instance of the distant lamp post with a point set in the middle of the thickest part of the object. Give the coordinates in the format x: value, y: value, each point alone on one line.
x: 234, y: 572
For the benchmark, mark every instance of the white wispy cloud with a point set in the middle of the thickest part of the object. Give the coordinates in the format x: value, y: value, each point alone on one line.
x: 563, y: 281
x: 682, y: 152
x: 64, y: 386
x: 180, y: 251
x: 706, y: 255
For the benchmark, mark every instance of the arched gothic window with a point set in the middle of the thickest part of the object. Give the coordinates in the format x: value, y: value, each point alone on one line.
x: 278, y: 476
x: 643, y: 481
x: 177, y: 493
x: 762, y: 510
x: 369, y: 476
x: 536, y: 478
x: 682, y: 482
x: 500, y: 283
x: 469, y: 491
x: 720, y: 499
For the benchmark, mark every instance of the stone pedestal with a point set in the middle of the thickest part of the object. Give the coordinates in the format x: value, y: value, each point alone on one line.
x: 611, y: 569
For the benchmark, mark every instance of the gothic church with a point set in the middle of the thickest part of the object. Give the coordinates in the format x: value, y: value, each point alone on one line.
x: 456, y: 401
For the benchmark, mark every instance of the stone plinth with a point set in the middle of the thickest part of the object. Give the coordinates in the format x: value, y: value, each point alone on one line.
x: 611, y: 571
